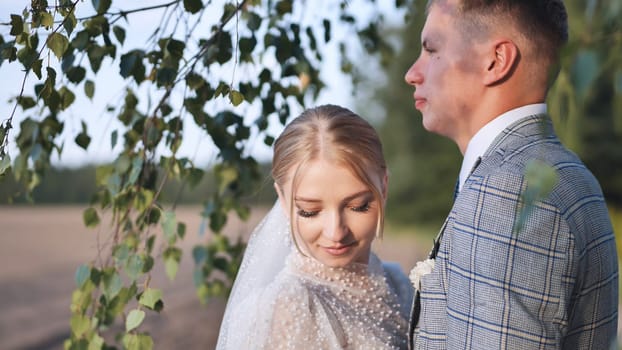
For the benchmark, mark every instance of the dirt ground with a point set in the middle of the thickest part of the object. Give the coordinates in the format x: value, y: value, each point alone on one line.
x: 41, y: 247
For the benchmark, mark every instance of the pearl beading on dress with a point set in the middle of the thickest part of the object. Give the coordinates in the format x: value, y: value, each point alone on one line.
x: 320, y: 307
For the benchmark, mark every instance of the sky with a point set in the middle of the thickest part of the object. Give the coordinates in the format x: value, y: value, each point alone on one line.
x: 110, y: 88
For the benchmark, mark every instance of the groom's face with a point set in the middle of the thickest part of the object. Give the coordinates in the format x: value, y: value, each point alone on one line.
x: 446, y: 73
x: 335, y: 215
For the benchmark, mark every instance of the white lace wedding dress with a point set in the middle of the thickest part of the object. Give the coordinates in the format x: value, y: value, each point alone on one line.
x: 284, y: 300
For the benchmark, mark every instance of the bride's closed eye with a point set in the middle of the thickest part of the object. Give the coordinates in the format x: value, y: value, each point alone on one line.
x: 306, y: 213
x: 361, y: 208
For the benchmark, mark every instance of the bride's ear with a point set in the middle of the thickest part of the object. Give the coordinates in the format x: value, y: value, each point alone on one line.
x: 282, y: 200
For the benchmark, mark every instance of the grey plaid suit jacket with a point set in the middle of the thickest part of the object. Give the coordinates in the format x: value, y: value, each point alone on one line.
x: 553, y: 285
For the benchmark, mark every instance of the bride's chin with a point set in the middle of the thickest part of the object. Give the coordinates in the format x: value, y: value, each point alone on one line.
x: 341, y: 261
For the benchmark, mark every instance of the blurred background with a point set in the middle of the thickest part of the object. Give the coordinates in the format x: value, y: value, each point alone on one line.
x: 43, y: 240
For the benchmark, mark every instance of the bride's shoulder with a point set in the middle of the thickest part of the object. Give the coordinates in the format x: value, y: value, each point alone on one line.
x: 399, y: 283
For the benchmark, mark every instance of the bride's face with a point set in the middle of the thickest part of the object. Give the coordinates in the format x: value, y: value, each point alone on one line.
x: 334, y: 213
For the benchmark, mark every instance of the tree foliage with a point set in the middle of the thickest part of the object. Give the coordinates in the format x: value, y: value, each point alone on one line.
x: 586, y: 100
x: 258, y: 61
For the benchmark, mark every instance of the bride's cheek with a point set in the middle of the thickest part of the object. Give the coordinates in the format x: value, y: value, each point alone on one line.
x: 309, y: 229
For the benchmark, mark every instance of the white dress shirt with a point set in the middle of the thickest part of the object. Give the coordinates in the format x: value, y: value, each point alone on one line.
x: 484, y: 137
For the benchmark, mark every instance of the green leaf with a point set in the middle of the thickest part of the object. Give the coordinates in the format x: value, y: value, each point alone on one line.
x: 101, y: 6
x: 172, y: 257
x: 226, y: 176
x: 97, y: 342
x: 83, y: 140
x: 134, y: 319
x: 80, y: 324
x: 112, y: 284
x: 247, y: 45
x: 81, y: 40
x: 76, y: 74
x: 169, y: 226
x: 254, y: 21
x: 540, y: 178
x: 134, y: 266
x: 70, y: 23
x: 137, y: 167
x: 236, y: 97
x: 194, y: 81
x: 284, y: 7
x: 36, y: 67
x: 119, y: 33
x: 5, y: 163
x: 150, y: 298
x: 26, y: 102
x: 181, y: 229
x: 327, y: 28
x: 193, y: 6
x: 129, y: 62
x: 148, y: 259
x: 199, y: 254
x: 166, y: 76
x: 47, y: 20
x: 121, y: 253
x: 175, y: 48
x: 585, y: 71
x: 83, y: 274
x: 95, y: 54
x: 17, y: 25
x: 90, y: 217
x: 225, y: 48
x: 137, y: 342
x: 28, y: 57
x: 67, y: 97
x: 58, y: 43
x: 194, y: 176
x: 89, y: 89
x: 171, y: 265
x: 8, y: 52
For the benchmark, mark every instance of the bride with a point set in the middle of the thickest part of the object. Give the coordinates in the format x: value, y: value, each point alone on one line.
x: 309, y: 279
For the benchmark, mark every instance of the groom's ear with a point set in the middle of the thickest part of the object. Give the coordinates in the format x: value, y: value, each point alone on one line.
x: 282, y: 200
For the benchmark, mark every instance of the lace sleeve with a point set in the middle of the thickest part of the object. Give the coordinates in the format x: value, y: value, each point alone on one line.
x: 300, y: 320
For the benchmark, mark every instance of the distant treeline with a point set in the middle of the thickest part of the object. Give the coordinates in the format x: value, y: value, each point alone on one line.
x: 77, y: 186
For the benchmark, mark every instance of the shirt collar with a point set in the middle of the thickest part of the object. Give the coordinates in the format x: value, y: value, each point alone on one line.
x: 484, y: 137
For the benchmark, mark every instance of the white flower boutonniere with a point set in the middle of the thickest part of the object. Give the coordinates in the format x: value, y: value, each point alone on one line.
x: 421, y: 269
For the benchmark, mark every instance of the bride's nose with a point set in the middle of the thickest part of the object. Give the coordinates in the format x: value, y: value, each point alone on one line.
x: 335, y: 227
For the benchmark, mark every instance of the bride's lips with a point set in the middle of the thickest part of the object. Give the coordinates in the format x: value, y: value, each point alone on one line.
x: 338, y: 249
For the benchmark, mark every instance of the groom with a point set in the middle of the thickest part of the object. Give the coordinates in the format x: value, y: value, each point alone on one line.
x: 550, y: 279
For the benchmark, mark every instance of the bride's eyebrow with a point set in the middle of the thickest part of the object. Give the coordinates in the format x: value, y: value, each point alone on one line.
x: 307, y: 200
x: 349, y: 198
x: 365, y: 193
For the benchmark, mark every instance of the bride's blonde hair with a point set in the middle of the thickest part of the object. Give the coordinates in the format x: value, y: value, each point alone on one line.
x: 338, y: 135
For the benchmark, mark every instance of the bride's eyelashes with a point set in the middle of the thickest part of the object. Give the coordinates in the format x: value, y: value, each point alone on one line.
x: 359, y: 208
x: 306, y: 213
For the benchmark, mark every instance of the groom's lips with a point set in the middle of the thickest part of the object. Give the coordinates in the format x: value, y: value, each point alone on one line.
x: 419, y: 102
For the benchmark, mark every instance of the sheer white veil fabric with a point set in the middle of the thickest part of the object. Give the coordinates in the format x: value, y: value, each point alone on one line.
x: 268, y: 247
